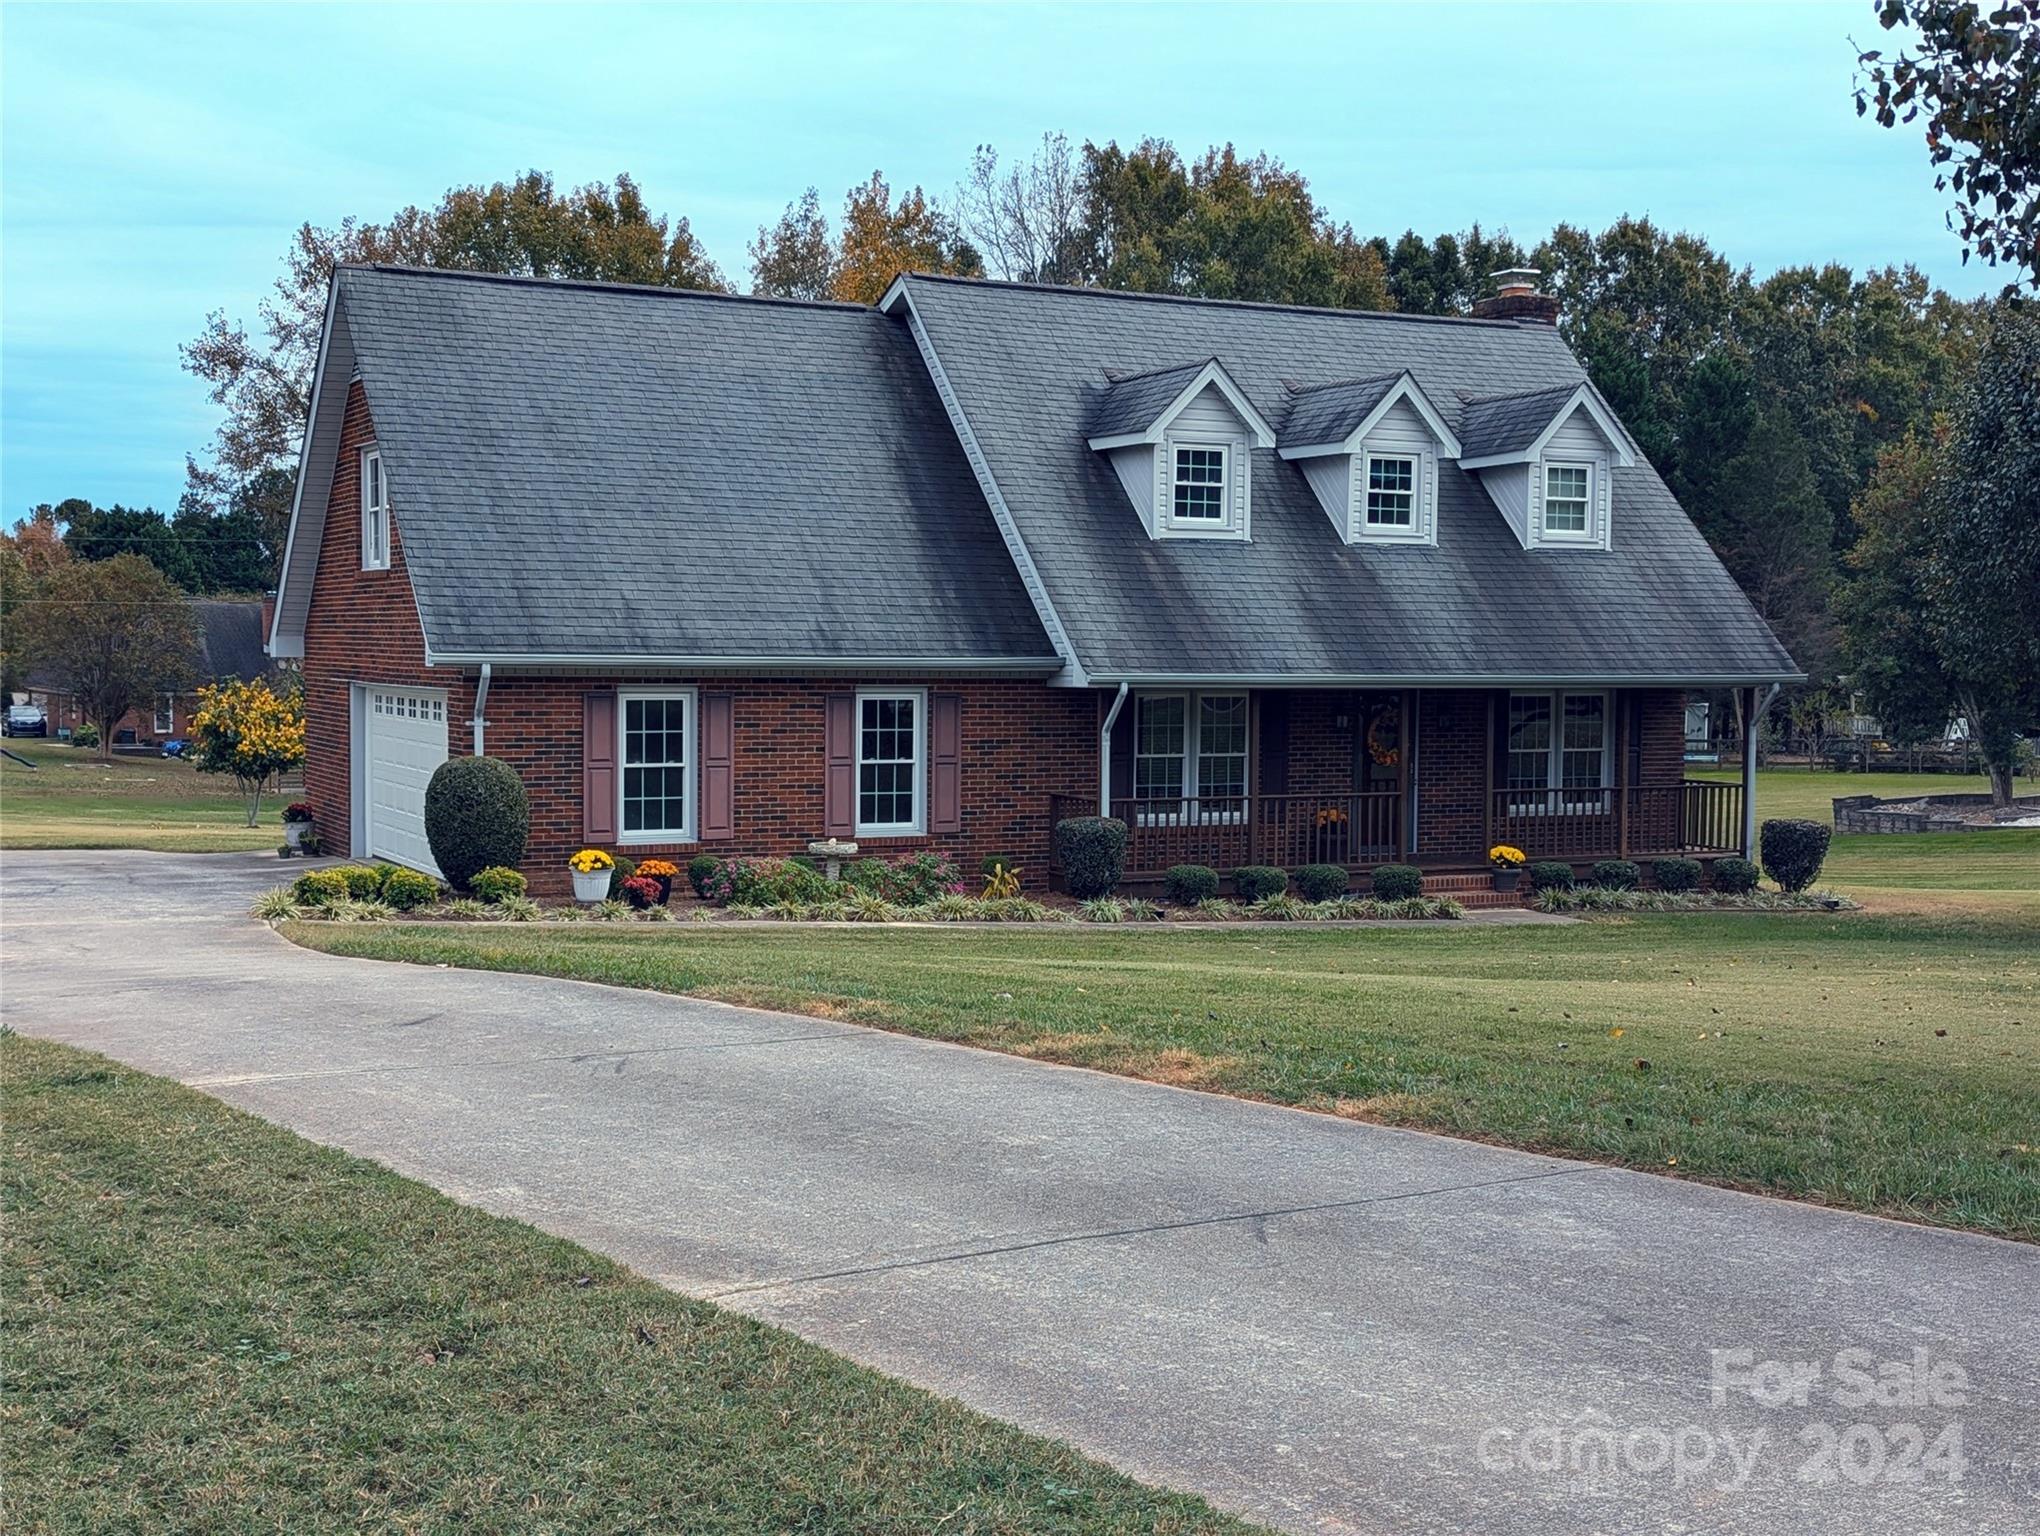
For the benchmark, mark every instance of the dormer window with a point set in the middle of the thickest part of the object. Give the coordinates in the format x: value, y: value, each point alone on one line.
x: 1391, y: 492
x: 1568, y: 500
x: 1199, y: 487
x: 1369, y: 449
x: 375, y: 513
x: 1546, y: 458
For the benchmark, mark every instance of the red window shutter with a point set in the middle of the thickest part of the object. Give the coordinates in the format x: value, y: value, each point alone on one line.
x: 1123, y: 738
x: 718, y: 772
x: 839, y: 777
x: 945, y: 762
x: 598, y: 767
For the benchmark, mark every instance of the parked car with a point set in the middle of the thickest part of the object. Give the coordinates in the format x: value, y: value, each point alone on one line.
x: 27, y: 720
x: 176, y: 746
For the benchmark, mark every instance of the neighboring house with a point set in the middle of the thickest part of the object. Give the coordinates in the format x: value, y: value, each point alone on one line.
x: 231, y: 646
x: 1272, y: 585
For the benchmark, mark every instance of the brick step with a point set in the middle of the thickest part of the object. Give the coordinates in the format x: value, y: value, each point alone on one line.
x: 1472, y: 899
x: 1440, y: 883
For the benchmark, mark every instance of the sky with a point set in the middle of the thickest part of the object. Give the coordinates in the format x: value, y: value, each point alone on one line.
x: 156, y: 158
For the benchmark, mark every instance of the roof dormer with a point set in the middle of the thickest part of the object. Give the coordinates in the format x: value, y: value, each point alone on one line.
x: 1370, y: 449
x: 1181, y: 440
x: 1547, y: 458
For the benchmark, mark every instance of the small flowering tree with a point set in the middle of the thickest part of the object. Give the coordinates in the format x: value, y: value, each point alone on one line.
x: 250, y: 731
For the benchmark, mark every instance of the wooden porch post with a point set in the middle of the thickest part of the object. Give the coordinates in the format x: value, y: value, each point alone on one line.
x: 1487, y: 795
x: 1256, y: 776
x: 1621, y: 723
x: 1749, y: 774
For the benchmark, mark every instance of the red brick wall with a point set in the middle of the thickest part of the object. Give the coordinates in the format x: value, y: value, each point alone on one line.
x: 1452, y: 774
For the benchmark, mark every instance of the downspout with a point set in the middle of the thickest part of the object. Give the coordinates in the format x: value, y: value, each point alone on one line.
x: 481, y: 703
x: 1756, y: 713
x: 1105, y: 751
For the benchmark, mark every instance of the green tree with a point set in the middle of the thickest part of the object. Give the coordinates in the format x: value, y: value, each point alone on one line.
x: 1975, y: 75
x: 1446, y: 275
x: 795, y: 258
x: 114, y: 633
x: 881, y: 238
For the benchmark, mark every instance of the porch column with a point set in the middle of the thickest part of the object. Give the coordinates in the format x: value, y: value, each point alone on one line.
x: 1620, y: 725
x: 1749, y: 774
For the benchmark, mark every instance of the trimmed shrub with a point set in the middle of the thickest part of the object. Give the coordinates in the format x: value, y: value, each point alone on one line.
x: 363, y: 882
x: 319, y: 888
x: 699, y: 869
x: 1188, y: 884
x: 1257, y: 882
x: 1321, y: 882
x: 407, y: 889
x: 1676, y: 874
x: 497, y: 885
x: 992, y: 861
x: 866, y: 875
x: 1398, y: 882
x: 1793, y: 851
x: 1617, y: 875
x: 1738, y: 877
x: 1092, y: 852
x: 1550, y: 875
x: 476, y: 816
x: 619, y: 872
x: 919, y: 880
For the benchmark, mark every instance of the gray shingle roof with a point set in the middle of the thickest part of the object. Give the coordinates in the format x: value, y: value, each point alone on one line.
x: 1131, y: 403
x: 1497, y: 424
x: 587, y: 470
x: 230, y: 640
x: 1328, y: 413
x: 1296, y: 601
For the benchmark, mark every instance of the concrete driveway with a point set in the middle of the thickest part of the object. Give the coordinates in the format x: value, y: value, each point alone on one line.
x: 1328, y: 1326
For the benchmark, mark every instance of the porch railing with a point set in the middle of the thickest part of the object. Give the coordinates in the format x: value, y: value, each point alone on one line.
x: 1228, y: 831
x: 1696, y: 816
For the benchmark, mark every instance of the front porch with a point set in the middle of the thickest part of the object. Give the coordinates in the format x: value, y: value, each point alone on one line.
x: 1430, y: 777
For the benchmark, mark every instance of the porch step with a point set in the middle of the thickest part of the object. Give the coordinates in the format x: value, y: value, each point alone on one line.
x: 1473, y: 891
x: 1438, y: 885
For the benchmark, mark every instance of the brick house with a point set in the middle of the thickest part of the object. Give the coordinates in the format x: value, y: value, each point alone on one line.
x: 231, y: 648
x: 1271, y: 585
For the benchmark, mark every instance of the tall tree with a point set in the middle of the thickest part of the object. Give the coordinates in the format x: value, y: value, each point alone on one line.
x: 1026, y: 218
x: 1446, y: 275
x: 795, y: 258
x: 114, y: 633
x: 881, y: 239
x: 1975, y: 74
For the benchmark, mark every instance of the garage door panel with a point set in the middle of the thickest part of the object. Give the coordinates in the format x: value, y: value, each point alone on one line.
x: 406, y: 744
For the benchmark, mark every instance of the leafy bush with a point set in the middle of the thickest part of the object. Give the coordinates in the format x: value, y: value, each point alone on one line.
x: 1398, y: 882
x: 917, y: 881
x: 497, y: 884
x: 1322, y: 882
x: 770, y: 882
x: 1735, y: 876
x: 725, y: 882
x: 1188, y: 884
x: 620, y: 870
x: 467, y: 907
x: 1550, y: 875
x: 274, y: 906
x: 1617, y: 875
x: 1676, y: 874
x: 865, y: 875
x: 477, y: 816
x: 407, y: 889
x: 84, y: 735
x: 1140, y: 910
x: 522, y: 909
x: 1216, y: 909
x: 699, y: 869
x: 992, y: 861
x: 1001, y: 883
x: 1280, y: 907
x: 1793, y: 851
x: 1102, y: 909
x: 319, y: 887
x: 1257, y: 882
x: 363, y: 883
x: 1092, y: 852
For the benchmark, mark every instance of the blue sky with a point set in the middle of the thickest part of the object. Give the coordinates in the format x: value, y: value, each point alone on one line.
x: 154, y: 159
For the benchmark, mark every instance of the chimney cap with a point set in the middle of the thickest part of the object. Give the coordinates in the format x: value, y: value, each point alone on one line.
x: 1511, y: 281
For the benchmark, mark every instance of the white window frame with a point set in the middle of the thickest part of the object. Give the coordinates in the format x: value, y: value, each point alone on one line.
x: 1414, y: 530
x: 1555, y: 796
x: 1590, y: 533
x: 1193, y: 750
x: 917, y: 827
x: 1225, y: 521
x: 375, y: 515
x: 166, y: 713
x: 690, y: 735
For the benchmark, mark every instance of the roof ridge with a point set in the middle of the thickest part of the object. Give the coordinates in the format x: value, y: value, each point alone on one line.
x: 1149, y: 373
x: 1523, y: 394
x: 1261, y: 304
x: 598, y: 285
x: 1365, y: 378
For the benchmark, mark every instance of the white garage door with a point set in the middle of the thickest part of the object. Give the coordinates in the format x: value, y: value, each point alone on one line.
x: 406, y: 742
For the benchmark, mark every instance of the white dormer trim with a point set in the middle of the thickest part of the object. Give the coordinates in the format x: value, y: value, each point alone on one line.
x: 1404, y: 388
x: 1339, y: 472
x: 1211, y: 376
x: 1581, y: 399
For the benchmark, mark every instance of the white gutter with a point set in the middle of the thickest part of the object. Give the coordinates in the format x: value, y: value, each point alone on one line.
x: 1433, y: 680
x: 481, y: 703
x: 1105, y: 750
x: 1035, y: 666
x: 1749, y: 772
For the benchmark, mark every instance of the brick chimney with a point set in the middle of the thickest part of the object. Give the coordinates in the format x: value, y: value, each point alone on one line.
x: 268, y: 615
x: 1516, y: 298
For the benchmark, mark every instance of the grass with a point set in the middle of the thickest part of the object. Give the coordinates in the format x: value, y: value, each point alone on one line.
x: 213, y: 1325
x: 73, y: 800
x: 1879, y: 1063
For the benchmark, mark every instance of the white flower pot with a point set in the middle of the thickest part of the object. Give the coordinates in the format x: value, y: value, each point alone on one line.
x: 591, y: 887
x: 294, y: 833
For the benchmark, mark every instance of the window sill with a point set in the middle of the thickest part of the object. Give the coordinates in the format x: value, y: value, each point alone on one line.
x: 657, y: 840
x: 887, y: 839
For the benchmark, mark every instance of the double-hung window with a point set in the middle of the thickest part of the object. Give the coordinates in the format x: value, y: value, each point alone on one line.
x: 166, y: 714
x: 1568, y: 501
x: 1198, y: 482
x: 1190, y: 757
x: 1391, y: 493
x: 375, y: 513
x: 1558, y: 752
x: 656, y: 767
x: 892, y: 738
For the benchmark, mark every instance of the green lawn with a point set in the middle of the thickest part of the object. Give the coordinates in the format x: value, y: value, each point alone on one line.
x: 73, y: 800
x: 214, y: 1326
x: 1884, y: 1063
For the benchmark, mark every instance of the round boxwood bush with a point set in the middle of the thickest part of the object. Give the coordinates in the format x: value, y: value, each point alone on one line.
x: 1550, y: 875
x: 1617, y: 875
x: 363, y: 883
x: 1321, y: 882
x: 319, y: 888
x: 1092, y: 852
x: 1398, y: 882
x: 1793, y: 851
x: 406, y: 889
x: 1676, y: 874
x: 1188, y: 884
x: 1737, y: 877
x: 497, y: 884
x: 1257, y: 882
x: 476, y: 816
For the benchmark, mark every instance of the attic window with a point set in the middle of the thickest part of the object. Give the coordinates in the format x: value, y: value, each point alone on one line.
x: 1200, y: 482
x: 1391, y: 491
x: 1567, y: 500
